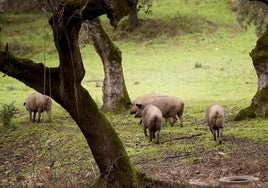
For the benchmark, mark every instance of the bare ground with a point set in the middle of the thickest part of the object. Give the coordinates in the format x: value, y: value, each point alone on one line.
x: 247, y: 158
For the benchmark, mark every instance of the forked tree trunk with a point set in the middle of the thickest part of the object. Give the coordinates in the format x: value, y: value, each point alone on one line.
x: 107, y: 149
x: 259, y: 103
x: 115, y: 94
x: 115, y: 167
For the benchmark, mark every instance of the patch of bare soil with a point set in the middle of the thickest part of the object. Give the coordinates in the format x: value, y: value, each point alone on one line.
x: 247, y: 159
x: 13, y: 163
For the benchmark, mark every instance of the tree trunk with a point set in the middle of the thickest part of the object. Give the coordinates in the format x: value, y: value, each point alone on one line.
x: 259, y: 103
x: 115, y: 94
x: 133, y: 19
x: 115, y: 167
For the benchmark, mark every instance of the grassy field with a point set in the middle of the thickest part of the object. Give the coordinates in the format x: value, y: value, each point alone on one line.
x: 201, y: 56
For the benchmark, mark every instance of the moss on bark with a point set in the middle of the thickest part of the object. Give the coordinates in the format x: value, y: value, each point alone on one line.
x: 259, y: 103
x: 247, y: 113
x: 260, y: 53
x: 258, y: 107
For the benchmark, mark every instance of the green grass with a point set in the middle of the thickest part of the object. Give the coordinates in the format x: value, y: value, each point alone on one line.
x: 254, y: 130
x: 206, y: 62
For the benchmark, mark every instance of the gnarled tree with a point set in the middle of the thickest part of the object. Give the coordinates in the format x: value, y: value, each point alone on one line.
x: 259, y: 55
x: 64, y: 81
x: 259, y: 103
x: 114, y: 90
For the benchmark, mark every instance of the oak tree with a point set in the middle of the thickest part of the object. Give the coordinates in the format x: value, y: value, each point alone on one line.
x: 64, y: 82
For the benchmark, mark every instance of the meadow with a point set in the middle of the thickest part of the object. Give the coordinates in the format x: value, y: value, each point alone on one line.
x: 194, y: 50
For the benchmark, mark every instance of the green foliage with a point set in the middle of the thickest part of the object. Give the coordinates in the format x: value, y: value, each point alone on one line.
x: 248, y: 12
x: 7, y: 114
x: 146, y: 5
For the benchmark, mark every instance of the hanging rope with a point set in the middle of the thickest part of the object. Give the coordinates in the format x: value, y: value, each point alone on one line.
x: 72, y: 61
x: 52, y: 5
x: 44, y: 57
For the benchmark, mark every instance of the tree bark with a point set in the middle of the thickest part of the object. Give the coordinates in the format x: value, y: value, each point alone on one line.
x: 133, y: 19
x: 115, y: 94
x: 263, y: 1
x: 259, y: 103
x: 64, y: 82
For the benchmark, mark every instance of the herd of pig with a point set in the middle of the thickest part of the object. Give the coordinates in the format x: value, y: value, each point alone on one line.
x: 151, y: 108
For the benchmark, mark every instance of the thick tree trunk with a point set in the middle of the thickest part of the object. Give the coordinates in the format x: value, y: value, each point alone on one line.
x: 259, y: 103
x: 115, y: 167
x: 107, y: 149
x: 115, y: 94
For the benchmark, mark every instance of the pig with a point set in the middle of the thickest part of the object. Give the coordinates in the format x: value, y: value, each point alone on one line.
x: 38, y: 102
x: 215, y: 119
x: 140, y: 100
x: 152, y: 120
x: 170, y: 106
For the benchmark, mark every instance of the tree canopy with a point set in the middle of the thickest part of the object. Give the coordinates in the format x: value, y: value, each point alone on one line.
x: 248, y: 12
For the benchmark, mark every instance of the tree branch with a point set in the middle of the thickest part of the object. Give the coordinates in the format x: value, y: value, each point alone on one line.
x: 30, y: 73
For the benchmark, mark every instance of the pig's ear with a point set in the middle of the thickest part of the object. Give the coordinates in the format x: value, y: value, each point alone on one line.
x: 139, y: 105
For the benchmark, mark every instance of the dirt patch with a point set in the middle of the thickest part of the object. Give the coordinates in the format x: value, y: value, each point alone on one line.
x: 247, y: 159
x: 14, y: 163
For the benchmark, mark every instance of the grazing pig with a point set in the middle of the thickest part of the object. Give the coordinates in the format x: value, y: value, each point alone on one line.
x: 215, y: 118
x: 140, y: 100
x: 37, y: 102
x: 170, y: 106
x: 151, y: 119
